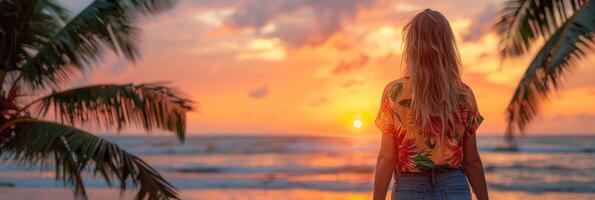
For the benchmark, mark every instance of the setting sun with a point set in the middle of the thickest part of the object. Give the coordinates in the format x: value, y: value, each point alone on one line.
x: 357, y: 123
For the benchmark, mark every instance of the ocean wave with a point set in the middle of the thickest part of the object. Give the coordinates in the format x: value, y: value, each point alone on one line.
x: 574, y: 187
x: 549, y: 187
x: 556, y: 169
x: 538, y: 149
x: 195, y: 184
x: 276, y: 184
x: 165, y: 150
x: 308, y: 146
x: 284, y: 169
x: 533, y: 168
x: 258, y: 148
x: 303, y: 148
x: 297, y: 145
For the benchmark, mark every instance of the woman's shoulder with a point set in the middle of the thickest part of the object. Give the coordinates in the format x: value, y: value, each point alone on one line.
x: 468, y: 94
x: 397, y: 82
x: 466, y: 89
x: 465, y: 86
x: 395, y: 88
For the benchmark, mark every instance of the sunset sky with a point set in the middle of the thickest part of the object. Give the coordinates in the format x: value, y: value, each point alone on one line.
x: 313, y: 67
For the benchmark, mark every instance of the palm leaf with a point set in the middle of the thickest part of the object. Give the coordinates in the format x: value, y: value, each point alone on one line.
x: 26, y: 25
x: 104, y: 24
x: 148, y: 105
x: 558, y: 55
x: 74, y: 151
x: 523, y: 21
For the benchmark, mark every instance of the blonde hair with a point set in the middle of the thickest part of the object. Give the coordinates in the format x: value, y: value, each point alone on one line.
x: 433, y: 65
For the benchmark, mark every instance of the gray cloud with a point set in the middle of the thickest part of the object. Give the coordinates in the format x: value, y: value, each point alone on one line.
x: 259, y: 93
x: 295, y: 34
x: 481, y: 24
x: 257, y: 13
x: 210, y: 3
x: 348, y: 65
x: 327, y: 17
x: 351, y: 82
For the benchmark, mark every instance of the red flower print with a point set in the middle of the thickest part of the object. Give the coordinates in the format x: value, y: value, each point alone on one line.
x: 405, y: 151
x: 436, y: 124
x: 432, y: 134
x: 464, y: 110
x: 454, y: 153
x: 477, y: 119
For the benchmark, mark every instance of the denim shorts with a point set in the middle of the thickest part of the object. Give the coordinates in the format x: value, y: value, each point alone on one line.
x: 451, y: 185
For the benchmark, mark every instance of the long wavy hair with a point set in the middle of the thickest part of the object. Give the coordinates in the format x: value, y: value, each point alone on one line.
x: 433, y: 65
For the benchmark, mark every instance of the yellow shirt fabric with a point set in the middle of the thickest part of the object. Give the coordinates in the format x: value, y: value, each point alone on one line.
x: 417, y: 151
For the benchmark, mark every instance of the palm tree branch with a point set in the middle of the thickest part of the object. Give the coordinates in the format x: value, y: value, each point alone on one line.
x: 148, y: 106
x: 75, y: 151
x: 25, y: 24
x: 82, y: 40
x: 563, y: 49
x: 523, y: 21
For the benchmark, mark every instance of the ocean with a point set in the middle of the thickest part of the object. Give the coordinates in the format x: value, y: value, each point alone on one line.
x: 312, y: 167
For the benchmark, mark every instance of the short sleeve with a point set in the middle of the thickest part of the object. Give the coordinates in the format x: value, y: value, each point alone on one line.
x: 475, y: 118
x: 385, y: 120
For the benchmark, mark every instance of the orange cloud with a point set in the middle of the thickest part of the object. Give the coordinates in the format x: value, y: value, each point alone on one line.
x: 312, y: 67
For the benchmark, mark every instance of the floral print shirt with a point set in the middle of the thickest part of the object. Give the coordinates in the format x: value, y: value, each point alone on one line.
x: 417, y: 151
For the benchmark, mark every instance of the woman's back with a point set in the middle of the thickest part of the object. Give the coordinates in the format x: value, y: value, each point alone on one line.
x: 428, y: 120
x: 421, y: 149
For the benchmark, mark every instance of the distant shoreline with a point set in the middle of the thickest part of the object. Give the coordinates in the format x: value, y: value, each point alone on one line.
x: 207, y: 135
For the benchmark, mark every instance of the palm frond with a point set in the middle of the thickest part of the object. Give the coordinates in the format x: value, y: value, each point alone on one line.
x: 559, y: 54
x: 523, y: 21
x: 83, y: 40
x: 148, y: 105
x: 26, y: 25
x: 75, y: 151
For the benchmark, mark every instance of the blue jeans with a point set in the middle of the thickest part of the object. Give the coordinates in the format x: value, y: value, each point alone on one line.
x: 450, y: 185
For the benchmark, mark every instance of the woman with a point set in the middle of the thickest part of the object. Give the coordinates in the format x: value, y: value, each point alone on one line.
x: 428, y: 120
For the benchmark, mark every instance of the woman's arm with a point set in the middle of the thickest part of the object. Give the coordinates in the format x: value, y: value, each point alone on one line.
x: 474, y: 168
x: 385, y: 166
